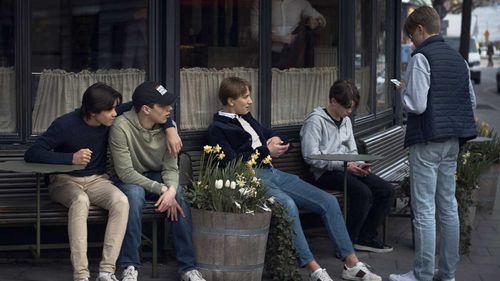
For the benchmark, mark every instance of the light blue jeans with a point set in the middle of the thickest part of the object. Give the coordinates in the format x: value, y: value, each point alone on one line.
x: 294, y: 193
x: 432, y: 179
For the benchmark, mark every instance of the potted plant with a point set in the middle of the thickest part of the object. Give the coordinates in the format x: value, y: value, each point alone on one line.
x: 231, y: 214
x: 474, y: 159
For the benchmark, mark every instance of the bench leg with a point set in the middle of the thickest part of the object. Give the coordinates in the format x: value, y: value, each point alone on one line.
x: 38, y: 219
x: 155, y: 249
x: 384, y: 229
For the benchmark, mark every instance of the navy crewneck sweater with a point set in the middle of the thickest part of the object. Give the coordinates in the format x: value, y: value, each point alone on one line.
x: 65, y: 136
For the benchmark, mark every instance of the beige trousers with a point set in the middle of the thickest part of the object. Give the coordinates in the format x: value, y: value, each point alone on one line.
x: 77, y: 193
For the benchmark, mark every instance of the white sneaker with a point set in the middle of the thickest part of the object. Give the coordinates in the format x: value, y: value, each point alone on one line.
x: 192, y: 275
x: 110, y: 277
x: 360, y: 272
x: 409, y: 276
x: 320, y: 275
x: 129, y: 274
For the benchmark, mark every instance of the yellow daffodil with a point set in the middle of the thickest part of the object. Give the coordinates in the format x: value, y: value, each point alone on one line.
x: 221, y: 155
x: 217, y: 148
x: 267, y: 160
x: 207, y: 149
x: 254, y: 157
x: 257, y: 153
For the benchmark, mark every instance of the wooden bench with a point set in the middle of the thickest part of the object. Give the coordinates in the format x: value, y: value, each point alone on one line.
x: 394, y: 167
x: 18, y: 208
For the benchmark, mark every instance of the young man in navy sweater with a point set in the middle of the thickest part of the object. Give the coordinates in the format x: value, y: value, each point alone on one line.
x: 81, y: 138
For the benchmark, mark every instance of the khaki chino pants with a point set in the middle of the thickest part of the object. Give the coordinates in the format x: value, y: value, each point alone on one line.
x: 77, y: 193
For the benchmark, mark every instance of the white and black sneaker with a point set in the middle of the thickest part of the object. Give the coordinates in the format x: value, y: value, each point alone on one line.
x: 359, y: 272
x: 192, y: 275
x: 129, y: 274
x: 320, y: 275
x: 375, y: 246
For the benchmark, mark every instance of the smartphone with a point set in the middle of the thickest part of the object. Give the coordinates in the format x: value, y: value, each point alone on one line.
x: 365, y: 165
x: 396, y: 82
x: 287, y: 141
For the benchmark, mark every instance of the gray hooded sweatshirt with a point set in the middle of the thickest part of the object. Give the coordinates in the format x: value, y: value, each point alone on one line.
x: 320, y: 135
x: 136, y: 150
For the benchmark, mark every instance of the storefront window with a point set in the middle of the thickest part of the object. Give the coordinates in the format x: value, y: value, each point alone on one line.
x: 382, y: 89
x: 304, y: 57
x: 7, y: 70
x: 363, y: 58
x: 218, y: 40
x: 77, y: 43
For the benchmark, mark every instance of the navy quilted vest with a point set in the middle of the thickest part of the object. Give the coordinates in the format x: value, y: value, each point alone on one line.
x: 449, y: 110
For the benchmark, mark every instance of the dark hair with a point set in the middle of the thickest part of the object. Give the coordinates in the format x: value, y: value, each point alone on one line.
x: 137, y: 108
x: 97, y: 98
x: 233, y: 87
x: 427, y: 17
x: 345, y: 93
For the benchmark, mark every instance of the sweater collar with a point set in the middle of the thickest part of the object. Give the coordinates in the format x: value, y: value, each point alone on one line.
x: 428, y: 41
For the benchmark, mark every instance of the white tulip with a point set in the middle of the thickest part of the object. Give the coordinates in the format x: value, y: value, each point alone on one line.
x: 218, y: 184
x: 228, y: 183
x: 233, y: 185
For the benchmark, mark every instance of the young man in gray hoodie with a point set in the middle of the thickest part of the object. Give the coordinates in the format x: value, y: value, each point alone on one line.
x: 146, y: 170
x: 329, y: 131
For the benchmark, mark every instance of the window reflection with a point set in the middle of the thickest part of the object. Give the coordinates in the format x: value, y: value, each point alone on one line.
x: 217, y: 41
x: 7, y: 70
x: 304, y: 57
x: 77, y: 43
x: 363, y: 58
x: 382, y: 90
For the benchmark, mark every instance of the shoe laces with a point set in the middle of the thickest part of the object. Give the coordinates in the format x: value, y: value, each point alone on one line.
x: 129, y: 274
x: 322, y: 275
x: 194, y: 275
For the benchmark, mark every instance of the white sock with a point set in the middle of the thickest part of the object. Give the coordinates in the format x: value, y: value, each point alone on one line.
x: 104, y: 274
x: 316, y: 271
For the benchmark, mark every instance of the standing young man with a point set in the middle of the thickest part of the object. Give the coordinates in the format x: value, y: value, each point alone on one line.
x: 146, y: 170
x: 81, y: 138
x: 329, y: 131
x: 240, y: 135
x: 439, y: 99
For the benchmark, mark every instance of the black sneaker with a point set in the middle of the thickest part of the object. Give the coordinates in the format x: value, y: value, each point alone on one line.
x: 375, y: 246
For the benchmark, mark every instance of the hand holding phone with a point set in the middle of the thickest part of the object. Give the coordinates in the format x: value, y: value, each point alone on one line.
x: 365, y: 165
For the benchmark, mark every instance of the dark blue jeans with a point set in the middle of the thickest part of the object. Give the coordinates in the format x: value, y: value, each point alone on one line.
x: 181, y: 229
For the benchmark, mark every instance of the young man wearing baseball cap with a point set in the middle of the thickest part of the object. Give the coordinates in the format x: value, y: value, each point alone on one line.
x: 146, y: 170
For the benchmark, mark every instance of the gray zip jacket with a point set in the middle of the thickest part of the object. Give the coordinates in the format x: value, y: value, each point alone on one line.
x: 320, y: 135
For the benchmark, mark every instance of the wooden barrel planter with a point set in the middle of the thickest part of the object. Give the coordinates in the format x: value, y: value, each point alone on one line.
x: 230, y: 246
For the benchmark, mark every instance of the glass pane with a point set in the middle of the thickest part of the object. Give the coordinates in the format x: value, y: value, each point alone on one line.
x: 304, y: 57
x: 7, y: 71
x: 382, y: 83
x: 77, y: 43
x: 406, y: 44
x: 218, y: 39
x: 363, y: 56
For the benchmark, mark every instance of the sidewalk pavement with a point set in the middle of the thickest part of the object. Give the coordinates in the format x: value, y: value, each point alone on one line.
x: 481, y: 265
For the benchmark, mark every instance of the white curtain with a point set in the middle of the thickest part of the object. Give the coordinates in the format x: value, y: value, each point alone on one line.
x: 8, y: 100
x: 297, y: 91
x: 60, y: 92
x: 199, y: 93
x: 363, y: 83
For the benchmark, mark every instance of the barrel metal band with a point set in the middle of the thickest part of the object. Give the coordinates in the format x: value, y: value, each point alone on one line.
x: 230, y: 268
x: 236, y: 232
